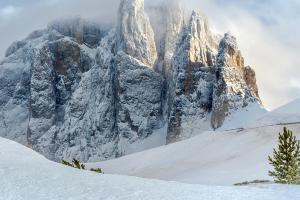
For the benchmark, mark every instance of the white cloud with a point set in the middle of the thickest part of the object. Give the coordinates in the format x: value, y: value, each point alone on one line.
x: 8, y: 11
x: 295, y: 83
x: 32, y: 15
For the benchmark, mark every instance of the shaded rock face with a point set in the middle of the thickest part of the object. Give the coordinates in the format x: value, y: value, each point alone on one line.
x: 82, y: 102
x: 15, y: 90
x: 116, y: 104
x: 55, y: 74
x: 42, y: 75
x: 78, y: 90
x: 139, y: 93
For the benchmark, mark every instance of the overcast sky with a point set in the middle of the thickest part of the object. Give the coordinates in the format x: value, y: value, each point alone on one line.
x: 268, y: 32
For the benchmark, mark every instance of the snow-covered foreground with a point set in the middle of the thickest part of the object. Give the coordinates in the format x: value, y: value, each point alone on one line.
x: 25, y: 175
x: 215, y: 158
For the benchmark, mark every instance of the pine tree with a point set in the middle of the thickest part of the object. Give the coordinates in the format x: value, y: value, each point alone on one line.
x: 286, y: 160
x: 76, y: 163
x: 82, y: 166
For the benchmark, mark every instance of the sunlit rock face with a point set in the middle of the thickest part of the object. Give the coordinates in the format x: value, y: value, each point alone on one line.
x: 235, y: 87
x: 192, y: 81
x: 135, y: 35
x: 81, y: 90
x: 210, y: 81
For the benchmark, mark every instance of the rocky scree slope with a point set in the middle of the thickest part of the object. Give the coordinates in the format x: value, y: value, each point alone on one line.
x: 80, y: 90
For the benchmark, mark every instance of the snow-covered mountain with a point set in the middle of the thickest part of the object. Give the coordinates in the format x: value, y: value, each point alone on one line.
x: 26, y: 175
x: 82, y: 90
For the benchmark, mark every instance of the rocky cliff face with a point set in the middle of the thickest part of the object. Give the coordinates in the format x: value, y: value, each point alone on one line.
x: 79, y: 90
x: 209, y: 81
x: 192, y: 80
x: 234, y: 88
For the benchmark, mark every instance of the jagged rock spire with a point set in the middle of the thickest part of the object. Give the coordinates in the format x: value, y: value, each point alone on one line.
x: 202, y: 41
x: 229, y: 54
x: 192, y: 78
x: 135, y: 35
x: 235, y: 87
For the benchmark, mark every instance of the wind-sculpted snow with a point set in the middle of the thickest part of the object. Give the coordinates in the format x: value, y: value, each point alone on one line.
x: 80, y: 90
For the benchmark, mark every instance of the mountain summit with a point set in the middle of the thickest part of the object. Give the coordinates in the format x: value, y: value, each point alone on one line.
x: 80, y: 90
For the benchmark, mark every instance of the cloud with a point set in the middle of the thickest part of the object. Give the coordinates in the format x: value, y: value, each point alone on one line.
x: 295, y: 83
x: 8, y: 11
x: 32, y: 15
x: 268, y: 32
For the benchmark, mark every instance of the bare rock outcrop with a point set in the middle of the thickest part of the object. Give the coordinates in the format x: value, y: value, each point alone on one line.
x: 191, y: 86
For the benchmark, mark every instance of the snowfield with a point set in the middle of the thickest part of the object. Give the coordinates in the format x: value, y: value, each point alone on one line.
x: 214, y: 158
x: 26, y: 175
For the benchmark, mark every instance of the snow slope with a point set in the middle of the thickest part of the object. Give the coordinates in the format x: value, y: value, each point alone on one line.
x: 286, y: 114
x: 244, y: 116
x: 25, y: 175
x: 215, y: 158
